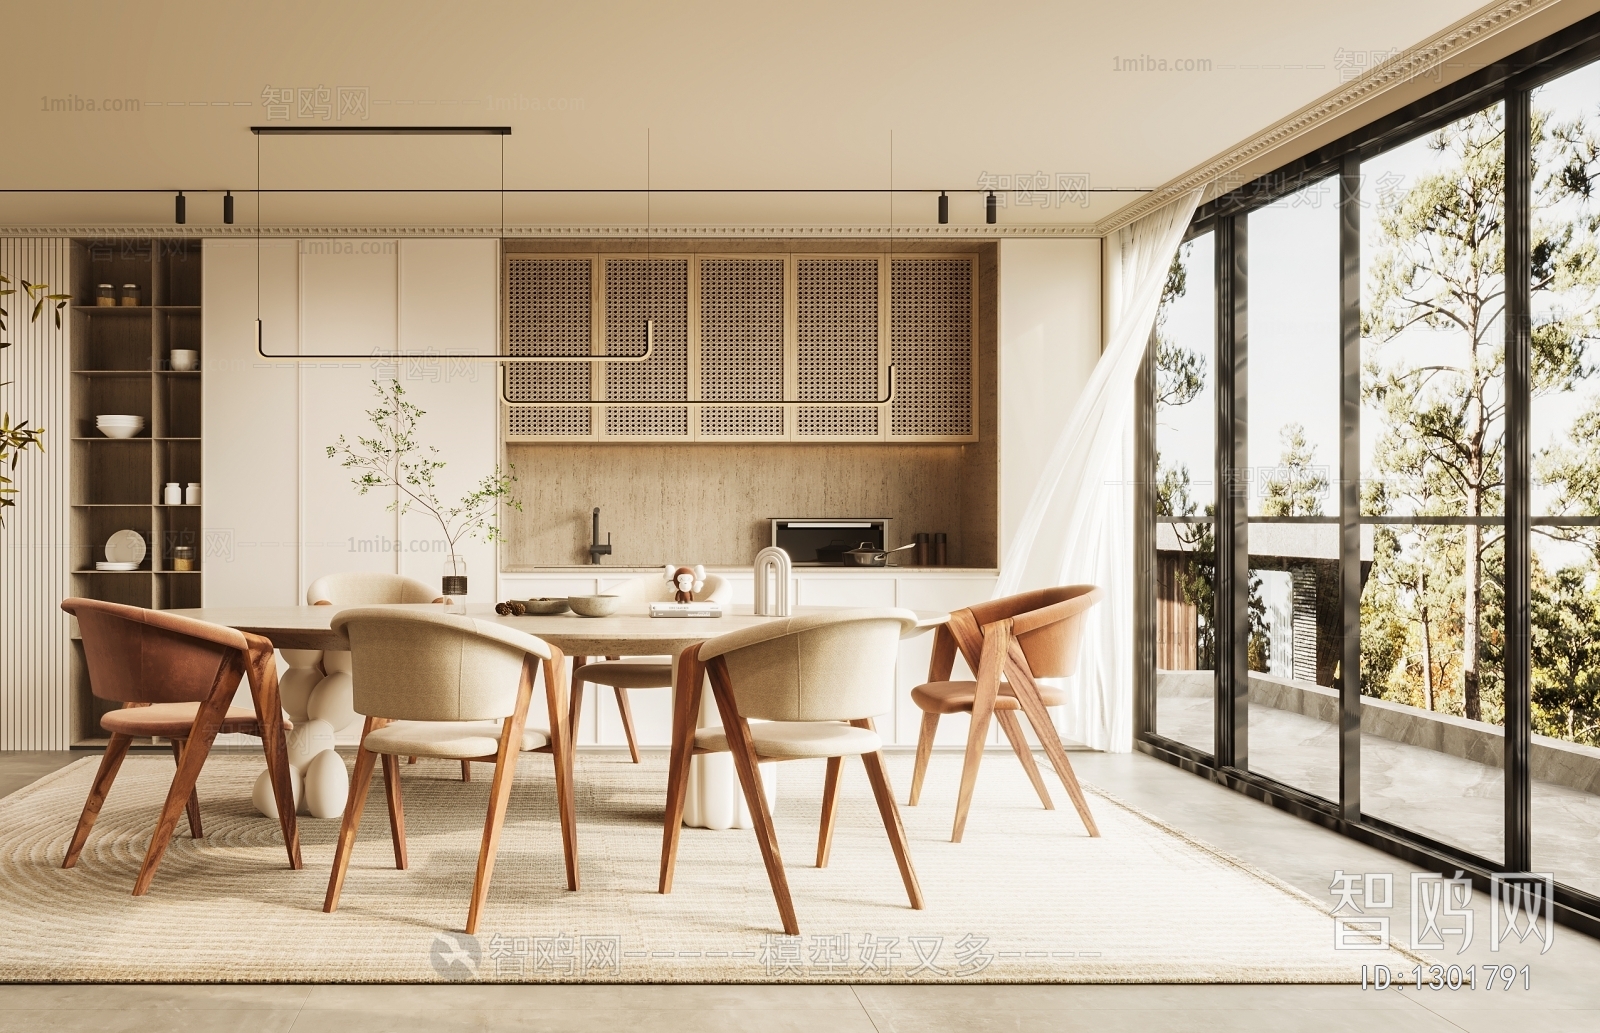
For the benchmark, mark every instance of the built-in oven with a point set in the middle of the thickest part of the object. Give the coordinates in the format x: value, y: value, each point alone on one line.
x: 812, y: 542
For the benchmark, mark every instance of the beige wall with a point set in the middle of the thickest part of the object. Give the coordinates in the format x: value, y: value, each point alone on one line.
x: 1049, y: 342
x: 289, y: 511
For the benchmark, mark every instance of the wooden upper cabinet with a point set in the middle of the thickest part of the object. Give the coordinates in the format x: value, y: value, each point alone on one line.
x: 747, y: 347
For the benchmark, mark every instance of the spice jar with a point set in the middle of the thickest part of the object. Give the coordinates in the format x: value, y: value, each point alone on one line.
x: 183, y: 557
x: 130, y: 295
x: 105, y: 295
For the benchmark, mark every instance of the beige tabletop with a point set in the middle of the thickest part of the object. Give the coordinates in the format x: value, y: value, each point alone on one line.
x: 623, y: 634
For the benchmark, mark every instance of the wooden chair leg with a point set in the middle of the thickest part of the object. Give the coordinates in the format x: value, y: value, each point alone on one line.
x: 685, y: 705
x: 563, y: 753
x: 466, y: 771
x: 575, y: 703
x: 411, y: 760
x: 261, y: 667
x: 1027, y: 693
x: 627, y: 721
x: 505, y: 772
x: 193, y: 806
x: 749, y: 768
x: 830, y: 809
x: 206, y: 722
x: 989, y: 665
x: 360, y: 782
x: 930, y: 726
x: 397, y: 814
x: 1019, y: 745
x: 891, y: 820
x: 110, y: 761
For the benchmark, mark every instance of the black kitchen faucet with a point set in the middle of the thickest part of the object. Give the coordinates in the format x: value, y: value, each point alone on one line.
x: 596, y: 550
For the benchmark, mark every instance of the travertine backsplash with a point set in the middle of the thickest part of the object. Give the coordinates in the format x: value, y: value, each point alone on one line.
x: 705, y: 503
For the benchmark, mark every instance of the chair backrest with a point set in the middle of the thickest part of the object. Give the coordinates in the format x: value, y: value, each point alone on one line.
x: 136, y: 655
x: 836, y: 666
x: 417, y: 665
x: 367, y: 588
x: 655, y: 588
x: 1047, y: 623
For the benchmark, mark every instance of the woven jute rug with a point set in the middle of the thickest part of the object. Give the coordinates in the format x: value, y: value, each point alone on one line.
x: 1027, y: 897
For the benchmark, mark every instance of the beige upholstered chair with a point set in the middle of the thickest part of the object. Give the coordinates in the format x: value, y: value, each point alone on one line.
x: 644, y: 672
x: 1009, y: 643
x: 440, y: 685
x: 367, y: 588
x: 816, y: 682
x: 373, y: 588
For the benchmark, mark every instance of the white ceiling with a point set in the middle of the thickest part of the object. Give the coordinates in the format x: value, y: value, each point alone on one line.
x: 732, y: 94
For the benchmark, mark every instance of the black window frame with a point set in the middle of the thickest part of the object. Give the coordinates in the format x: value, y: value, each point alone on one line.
x: 1510, y: 82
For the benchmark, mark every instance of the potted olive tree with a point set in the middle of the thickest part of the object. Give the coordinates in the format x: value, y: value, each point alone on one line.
x: 393, y: 458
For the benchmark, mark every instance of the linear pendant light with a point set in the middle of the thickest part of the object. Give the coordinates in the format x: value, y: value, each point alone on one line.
x: 503, y: 360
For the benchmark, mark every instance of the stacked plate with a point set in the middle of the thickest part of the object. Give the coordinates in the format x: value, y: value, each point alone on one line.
x: 119, y: 426
x: 125, y: 550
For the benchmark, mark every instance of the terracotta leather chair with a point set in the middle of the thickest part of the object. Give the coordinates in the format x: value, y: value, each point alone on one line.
x: 641, y: 672
x: 448, y: 686
x: 815, y: 683
x: 1009, y: 643
x: 175, y: 677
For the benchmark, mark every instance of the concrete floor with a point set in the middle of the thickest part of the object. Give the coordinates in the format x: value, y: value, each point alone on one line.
x: 1455, y: 801
x: 1564, y: 994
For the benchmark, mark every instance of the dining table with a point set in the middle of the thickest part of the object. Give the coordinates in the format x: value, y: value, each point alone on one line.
x: 715, y: 800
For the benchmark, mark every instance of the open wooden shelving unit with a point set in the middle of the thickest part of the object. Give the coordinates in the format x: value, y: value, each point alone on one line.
x: 121, y: 364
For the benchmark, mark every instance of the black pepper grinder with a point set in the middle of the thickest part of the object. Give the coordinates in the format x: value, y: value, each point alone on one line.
x: 939, y: 549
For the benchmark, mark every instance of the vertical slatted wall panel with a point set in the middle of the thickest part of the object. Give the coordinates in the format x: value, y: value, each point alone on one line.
x: 35, y: 653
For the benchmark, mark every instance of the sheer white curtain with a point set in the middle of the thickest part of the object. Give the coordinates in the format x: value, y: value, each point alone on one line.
x: 1078, y: 527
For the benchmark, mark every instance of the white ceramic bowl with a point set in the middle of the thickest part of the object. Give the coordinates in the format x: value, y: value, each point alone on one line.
x: 594, y: 605
x: 119, y: 426
x: 184, y: 360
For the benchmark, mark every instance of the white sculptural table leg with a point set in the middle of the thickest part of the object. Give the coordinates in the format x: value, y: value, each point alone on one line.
x: 714, y: 799
x: 315, y: 693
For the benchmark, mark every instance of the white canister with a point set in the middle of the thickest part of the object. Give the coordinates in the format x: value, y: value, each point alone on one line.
x: 191, y: 494
x: 172, y: 494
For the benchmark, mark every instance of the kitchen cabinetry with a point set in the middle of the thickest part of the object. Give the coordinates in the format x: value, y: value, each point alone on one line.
x: 766, y: 346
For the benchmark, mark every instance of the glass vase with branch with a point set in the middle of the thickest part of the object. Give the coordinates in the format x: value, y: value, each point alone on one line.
x: 393, y: 457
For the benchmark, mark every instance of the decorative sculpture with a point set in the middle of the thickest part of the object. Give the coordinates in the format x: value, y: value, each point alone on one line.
x: 686, y: 580
x: 772, y: 599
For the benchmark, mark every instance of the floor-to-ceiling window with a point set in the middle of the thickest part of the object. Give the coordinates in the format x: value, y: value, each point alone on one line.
x: 1292, y: 387
x: 1433, y: 421
x: 1388, y: 354
x: 1185, y: 501
x: 1564, y: 440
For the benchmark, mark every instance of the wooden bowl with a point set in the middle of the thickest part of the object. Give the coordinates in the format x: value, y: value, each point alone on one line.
x: 594, y: 605
x: 545, y: 606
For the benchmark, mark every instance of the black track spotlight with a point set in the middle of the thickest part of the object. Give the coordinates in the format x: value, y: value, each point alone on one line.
x: 180, y: 210
x: 944, y: 208
x: 990, y: 212
x: 227, y: 208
